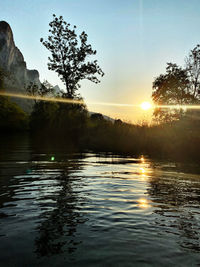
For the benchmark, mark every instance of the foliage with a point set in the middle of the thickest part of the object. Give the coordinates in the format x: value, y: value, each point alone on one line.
x: 59, y: 121
x: 45, y: 89
x: 43, y: 115
x: 171, y: 88
x: 61, y: 125
x: 96, y: 117
x: 178, y: 86
x: 12, y: 117
x: 69, y: 55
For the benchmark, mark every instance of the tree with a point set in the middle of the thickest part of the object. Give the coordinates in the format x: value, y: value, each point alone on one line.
x: 43, y: 90
x: 171, y: 88
x: 69, y: 55
x: 12, y: 117
x: 97, y: 117
x: 193, y: 71
x: 46, y: 89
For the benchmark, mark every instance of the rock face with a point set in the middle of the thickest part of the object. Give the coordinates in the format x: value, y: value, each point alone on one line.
x: 13, y: 64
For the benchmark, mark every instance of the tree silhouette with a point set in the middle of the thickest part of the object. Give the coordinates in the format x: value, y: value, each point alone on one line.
x: 171, y: 88
x: 69, y: 55
x: 44, y: 89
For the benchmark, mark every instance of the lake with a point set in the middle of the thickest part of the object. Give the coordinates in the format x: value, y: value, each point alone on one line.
x: 60, y: 208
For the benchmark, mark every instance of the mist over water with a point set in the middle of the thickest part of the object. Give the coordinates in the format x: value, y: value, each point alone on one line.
x: 61, y: 208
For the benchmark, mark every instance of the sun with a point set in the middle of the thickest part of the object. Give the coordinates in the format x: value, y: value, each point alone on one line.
x: 145, y: 105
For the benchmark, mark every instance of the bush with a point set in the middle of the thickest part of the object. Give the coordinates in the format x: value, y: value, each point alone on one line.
x: 12, y: 117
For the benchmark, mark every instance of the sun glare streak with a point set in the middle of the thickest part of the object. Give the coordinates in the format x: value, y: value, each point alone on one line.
x: 145, y: 105
x: 112, y: 104
x: 184, y: 107
x: 42, y: 98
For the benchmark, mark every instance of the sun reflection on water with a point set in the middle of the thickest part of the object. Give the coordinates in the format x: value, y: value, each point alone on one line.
x: 142, y: 171
x: 142, y: 159
x: 143, y: 203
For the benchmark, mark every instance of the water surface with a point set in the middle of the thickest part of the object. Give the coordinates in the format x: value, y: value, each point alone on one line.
x: 72, y: 209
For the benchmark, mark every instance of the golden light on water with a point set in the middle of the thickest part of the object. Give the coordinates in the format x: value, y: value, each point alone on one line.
x: 142, y: 171
x: 143, y: 203
x: 146, y: 106
x: 142, y: 159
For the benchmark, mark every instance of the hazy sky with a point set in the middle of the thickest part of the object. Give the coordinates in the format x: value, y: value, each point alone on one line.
x: 134, y: 39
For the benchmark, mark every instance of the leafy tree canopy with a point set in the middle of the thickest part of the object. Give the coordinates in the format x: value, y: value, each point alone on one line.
x: 171, y: 88
x: 69, y: 55
x: 45, y: 89
x: 12, y: 117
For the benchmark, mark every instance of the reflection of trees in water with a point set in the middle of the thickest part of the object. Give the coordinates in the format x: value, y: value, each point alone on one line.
x: 14, y: 149
x: 177, y: 204
x: 57, y: 231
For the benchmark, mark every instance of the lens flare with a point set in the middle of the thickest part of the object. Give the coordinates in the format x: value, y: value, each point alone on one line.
x: 144, y: 105
x: 43, y: 98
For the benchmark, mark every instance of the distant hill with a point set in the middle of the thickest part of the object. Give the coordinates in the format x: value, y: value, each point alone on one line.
x: 104, y: 116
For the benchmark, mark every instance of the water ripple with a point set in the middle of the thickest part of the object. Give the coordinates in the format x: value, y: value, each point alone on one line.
x: 87, y: 209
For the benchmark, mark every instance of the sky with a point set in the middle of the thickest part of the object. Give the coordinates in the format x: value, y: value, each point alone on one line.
x: 134, y: 40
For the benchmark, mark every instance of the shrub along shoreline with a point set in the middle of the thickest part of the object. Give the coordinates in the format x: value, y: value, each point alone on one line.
x: 70, y: 125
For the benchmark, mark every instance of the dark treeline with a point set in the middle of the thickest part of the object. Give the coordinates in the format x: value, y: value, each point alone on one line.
x: 71, y: 126
x: 12, y: 117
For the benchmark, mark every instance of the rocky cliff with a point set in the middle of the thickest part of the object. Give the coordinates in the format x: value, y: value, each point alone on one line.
x: 17, y: 76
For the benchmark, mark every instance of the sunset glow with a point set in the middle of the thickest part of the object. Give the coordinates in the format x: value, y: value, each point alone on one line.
x: 146, y: 105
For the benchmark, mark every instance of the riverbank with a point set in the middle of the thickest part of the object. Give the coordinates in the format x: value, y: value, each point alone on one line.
x: 72, y: 127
